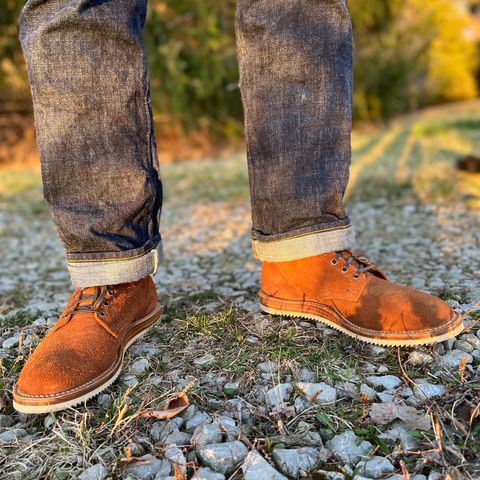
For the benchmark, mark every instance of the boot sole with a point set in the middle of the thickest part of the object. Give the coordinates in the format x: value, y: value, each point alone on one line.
x: 54, y: 404
x: 407, y: 342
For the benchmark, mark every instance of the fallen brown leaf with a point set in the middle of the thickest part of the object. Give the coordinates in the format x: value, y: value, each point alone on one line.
x: 382, y: 413
x: 171, y: 408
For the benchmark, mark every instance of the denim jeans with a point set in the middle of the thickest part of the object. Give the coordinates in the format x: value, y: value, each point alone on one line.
x: 88, y: 75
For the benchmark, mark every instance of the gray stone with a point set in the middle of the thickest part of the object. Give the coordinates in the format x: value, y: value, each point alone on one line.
x: 136, y: 449
x: 424, y: 390
x: 417, y: 358
x: 95, y: 472
x: 130, y: 380
x: 382, y: 369
x: 294, y: 462
x: 406, y: 392
x: 376, y: 467
x: 348, y: 447
x: 279, y: 395
x: 228, y: 427
x: 238, y: 408
x: 348, y: 389
x: 361, y: 477
x: 222, y: 457
x: 140, y: 366
x: 147, y: 467
x: 178, y: 421
x: 255, y: 467
x: 12, y: 435
x: 178, y: 438
x: 367, y: 392
x: 176, y: 457
x: 476, y: 355
x: 11, y: 342
x: 268, y: 367
x: 369, y: 367
x: 377, y: 350
x: 161, y: 430
x: 318, y: 393
x: 471, y: 339
x: 104, y: 400
x: 205, y: 434
x: 399, y: 431
x: 329, y: 475
x: 387, y: 382
x: 205, y: 360
x: 231, y: 388
x: 207, y: 474
x: 49, y: 421
x: 198, y: 419
x: 301, y: 404
x: 386, y: 397
x: 464, y: 346
x: 6, y: 421
x: 189, y: 412
x: 306, y: 375
x: 453, y: 358
x: 450, y: 343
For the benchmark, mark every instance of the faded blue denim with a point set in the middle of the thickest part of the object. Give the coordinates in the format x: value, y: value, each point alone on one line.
x: 88, y: 75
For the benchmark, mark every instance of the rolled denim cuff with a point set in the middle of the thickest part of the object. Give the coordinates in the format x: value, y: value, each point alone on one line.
x: 305, y: 245
x: 113, y: 271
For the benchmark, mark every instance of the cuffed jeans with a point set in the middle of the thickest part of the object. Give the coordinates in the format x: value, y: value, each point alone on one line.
x: 88, y: 76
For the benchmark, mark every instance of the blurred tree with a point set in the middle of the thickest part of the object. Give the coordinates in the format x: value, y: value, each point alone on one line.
x: 14, y: 91
x: 409, y: 53
x: 193, y: 66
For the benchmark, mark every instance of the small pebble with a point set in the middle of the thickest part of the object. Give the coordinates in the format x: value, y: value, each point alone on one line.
x: 95, y: 472
x: 417, y: 358
x: 205, y: 360
x: 140, y: 366
x: 453, y: 358
x: 384, y: 381
x: 222, y: 457
x: 11, y: 342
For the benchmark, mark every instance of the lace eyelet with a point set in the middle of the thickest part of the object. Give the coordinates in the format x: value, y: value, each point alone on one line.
x: 106, y: 303
x: 356, y: 276
x: 334, y: 262
x: 101, y: 313
x: 344, y: 269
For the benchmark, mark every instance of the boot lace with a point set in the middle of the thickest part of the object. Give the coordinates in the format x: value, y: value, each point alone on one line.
x: 361, y: 263
x: 90, y: 303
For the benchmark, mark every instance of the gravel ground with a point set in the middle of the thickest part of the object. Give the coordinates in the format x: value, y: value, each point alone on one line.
x: 270, y: 398
x: 298, y: 398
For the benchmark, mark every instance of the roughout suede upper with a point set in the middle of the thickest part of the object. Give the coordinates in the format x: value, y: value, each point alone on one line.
x: 364, y: 302
x: 79, y: 348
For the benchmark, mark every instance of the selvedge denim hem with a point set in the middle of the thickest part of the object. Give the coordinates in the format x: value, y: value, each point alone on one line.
x: 315, y: 242
x: 114, y: 271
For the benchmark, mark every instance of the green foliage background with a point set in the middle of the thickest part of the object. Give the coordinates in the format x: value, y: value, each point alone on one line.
x: 409, y: 53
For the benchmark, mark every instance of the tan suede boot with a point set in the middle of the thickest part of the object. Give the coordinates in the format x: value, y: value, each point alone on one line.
x: 83, y: 353
x: 348, y: 293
